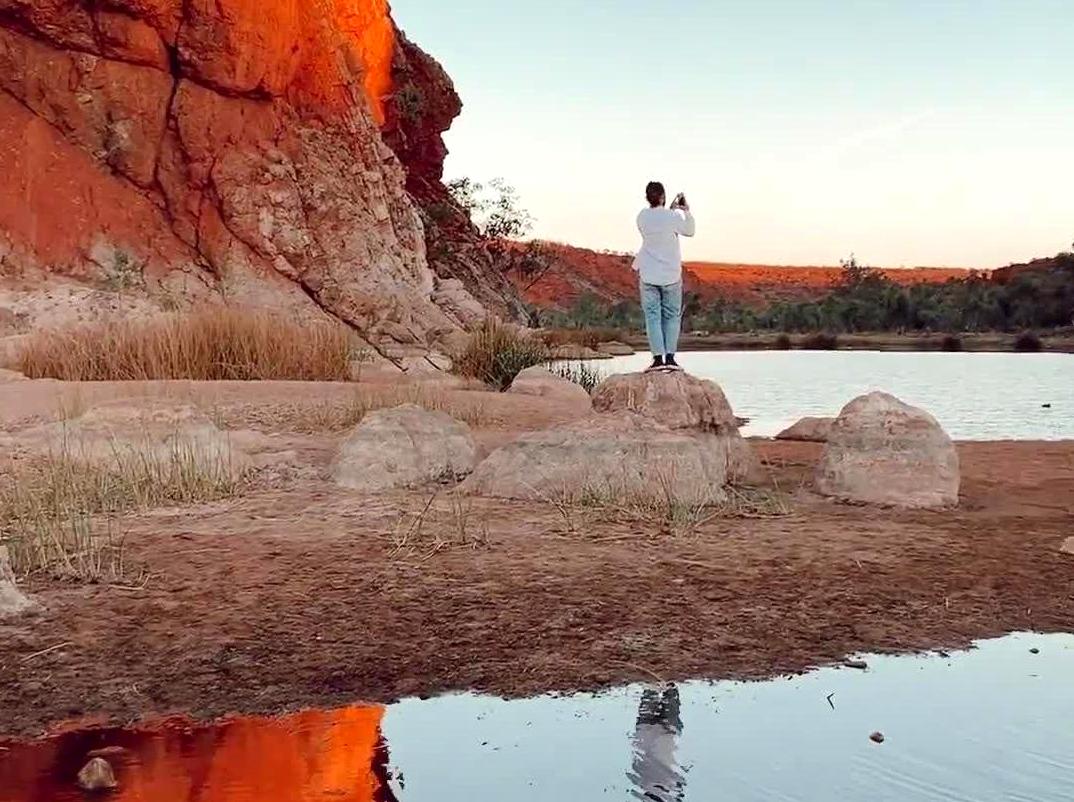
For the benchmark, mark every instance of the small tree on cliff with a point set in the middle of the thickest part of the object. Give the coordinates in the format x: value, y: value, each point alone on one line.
x: 495, y: 211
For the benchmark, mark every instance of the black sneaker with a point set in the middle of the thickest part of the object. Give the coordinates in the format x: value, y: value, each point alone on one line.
x: 658, y: 364
x: 671, y: 364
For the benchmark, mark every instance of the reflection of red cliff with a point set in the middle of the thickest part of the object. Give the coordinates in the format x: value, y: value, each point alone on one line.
x: 308, y: 757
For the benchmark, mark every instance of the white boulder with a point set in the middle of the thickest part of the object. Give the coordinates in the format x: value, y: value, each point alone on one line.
x: 404, y: 447
x: 883, y: 451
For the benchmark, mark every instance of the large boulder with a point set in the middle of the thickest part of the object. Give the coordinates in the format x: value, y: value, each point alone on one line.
x: 12, y: 601
x: 682, y: 402
x: 115, y: 435
x: 544, y: 383
x: 404, y: 447
x: 808, y: 430
x: 622, y: 455
x: 11, y: 376
x: 675, y: 400
x: 883, y: 451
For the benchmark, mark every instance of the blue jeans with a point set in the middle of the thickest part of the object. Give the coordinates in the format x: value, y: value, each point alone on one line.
x: 662, y: 307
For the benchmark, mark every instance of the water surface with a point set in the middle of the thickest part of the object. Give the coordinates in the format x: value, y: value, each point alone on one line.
x: 993, y: 723
x: 975, y: 396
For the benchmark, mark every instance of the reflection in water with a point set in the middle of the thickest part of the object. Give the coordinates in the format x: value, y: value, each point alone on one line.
x: 308, y: 757
x: 987, y: 725
x: 656, y: 775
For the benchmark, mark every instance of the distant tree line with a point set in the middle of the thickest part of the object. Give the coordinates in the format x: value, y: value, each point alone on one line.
x: 866, y: 300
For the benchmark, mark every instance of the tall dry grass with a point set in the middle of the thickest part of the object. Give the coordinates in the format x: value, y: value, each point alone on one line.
x: 60, y: 515
x: 214, y: 344
x: 496, y: 353
x: 661, y: 511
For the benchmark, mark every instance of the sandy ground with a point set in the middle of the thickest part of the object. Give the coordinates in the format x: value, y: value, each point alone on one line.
x: 300, y: 594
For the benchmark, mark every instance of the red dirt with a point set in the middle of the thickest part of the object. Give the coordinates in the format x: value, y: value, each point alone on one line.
x: 294, y: 594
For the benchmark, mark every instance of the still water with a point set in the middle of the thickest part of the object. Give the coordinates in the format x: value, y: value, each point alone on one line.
x: 994, y: 723
x: 975, y: 396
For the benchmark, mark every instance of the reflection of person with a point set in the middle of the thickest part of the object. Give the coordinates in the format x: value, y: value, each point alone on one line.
x: 656, y: 775
x: 659, y: 268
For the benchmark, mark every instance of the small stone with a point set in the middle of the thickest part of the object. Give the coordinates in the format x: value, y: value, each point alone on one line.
x: 861, y: 665
x: 1034, y: 650
x: 1068, y: 546
x: 97, y: 775
x: 877, y: 737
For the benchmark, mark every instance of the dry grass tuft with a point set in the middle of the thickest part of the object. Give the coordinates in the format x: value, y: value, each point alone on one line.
x: 215, y: 344
x: 663, y: 513
x: 59, y: 516
x: 496, y: 353
x: 436, y: 527
x: 343, y: 415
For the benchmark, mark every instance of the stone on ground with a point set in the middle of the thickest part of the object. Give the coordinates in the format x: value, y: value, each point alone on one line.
x: 157, y: 431
x: 808, y: 430
x: 12, y: 601
x: 539, y: 381
x: 621, y: 456
x: 1068, y: 546
x: 883, y: 451
x: 97, y: 775
x: 684, y: 403
x: 676, y: 400
x: 404, y: 447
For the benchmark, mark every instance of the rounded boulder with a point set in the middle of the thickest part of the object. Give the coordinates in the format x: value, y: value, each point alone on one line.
x: 403, y: 447
x: 883, y: 451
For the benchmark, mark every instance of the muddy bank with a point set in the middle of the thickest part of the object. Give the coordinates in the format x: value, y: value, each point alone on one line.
x: 300, y: 594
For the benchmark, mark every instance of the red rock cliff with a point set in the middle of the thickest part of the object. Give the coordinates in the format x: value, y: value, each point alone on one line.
x: 192, y: 151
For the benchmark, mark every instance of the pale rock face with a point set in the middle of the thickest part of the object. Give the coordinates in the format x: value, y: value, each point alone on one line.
x: 808, y: 430
x: 539, y: 381
x: 404, y: 447
x: 232, y: 152
x: 620, y: 455
x: 883, y: 451
x: 12, y: 601
x: 11, y: 376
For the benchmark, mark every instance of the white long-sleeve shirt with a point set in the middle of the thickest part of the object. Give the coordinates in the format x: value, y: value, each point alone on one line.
x: 660, y: 259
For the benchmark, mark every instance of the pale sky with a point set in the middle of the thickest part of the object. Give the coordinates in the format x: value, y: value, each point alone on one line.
x: 910, y: 132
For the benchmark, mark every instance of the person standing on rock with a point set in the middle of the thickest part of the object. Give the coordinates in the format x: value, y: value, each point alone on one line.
x: 659, y: 268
